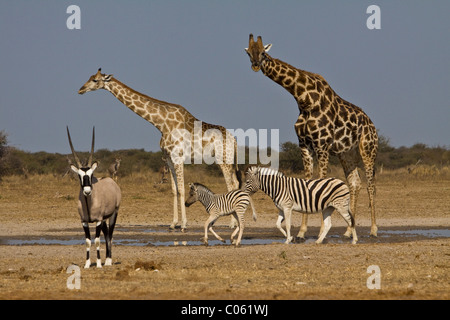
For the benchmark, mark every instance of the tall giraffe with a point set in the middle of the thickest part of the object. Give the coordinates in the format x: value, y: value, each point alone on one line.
x: 180, y: 134
x: 326, y: 124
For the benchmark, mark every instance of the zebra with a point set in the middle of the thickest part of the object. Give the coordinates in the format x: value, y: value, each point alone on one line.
x: 234, y: 202
x: 305, y: 196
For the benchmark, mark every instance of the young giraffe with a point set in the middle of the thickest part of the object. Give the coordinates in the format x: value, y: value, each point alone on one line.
x: 174, y: 121
x: 326, y: 124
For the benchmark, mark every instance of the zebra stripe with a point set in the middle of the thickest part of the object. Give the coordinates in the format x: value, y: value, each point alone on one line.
x: 234, y: 202
x: 225, y: 203
x: 307, y: 196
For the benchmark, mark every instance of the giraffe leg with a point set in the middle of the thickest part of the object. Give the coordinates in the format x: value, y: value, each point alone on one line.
x: 322, y: 157
x: 308, y: 165
x: 349, y: 163
x: 173, y: 180
x: 370, y: 176
x: 179, y: 169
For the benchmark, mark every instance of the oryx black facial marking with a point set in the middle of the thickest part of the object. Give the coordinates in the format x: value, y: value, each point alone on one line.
x: 85, y: 176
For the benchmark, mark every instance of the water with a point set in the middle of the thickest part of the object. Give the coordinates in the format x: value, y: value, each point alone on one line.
x: 429, y: 233
x: 132, y: 242
x: 151, y: 240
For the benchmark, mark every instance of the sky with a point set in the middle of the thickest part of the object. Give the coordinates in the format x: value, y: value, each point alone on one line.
x: 191, y: 52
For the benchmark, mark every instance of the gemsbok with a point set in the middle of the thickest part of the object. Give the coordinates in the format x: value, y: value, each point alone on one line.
x: 99, y: 200
x: 114, y: 168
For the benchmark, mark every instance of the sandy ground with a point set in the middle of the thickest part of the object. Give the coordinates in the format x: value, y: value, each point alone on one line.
x: 41, y: 240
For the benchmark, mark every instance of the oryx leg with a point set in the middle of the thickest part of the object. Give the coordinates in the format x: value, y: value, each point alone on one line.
x: 88, y: 244
x: 98, y: 229
x: 108, y: 232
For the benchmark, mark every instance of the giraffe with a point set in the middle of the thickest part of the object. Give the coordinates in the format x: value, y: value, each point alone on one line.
x: 179, y: 129
x: 327, y: 124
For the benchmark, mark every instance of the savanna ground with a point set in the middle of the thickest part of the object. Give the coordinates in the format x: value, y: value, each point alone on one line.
x: 39, y: 214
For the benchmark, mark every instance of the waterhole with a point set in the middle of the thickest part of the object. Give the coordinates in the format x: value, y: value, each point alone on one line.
x: 153, y: 237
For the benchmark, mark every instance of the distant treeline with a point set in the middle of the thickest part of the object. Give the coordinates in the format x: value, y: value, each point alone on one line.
x: 17, y: 162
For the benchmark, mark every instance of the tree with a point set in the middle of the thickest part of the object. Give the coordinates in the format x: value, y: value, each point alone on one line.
x: 3, y: 152
x: 291, y: 157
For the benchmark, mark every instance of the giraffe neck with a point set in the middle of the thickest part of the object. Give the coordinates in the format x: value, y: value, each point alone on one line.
x: 307, y: 88
x: 152, y: 110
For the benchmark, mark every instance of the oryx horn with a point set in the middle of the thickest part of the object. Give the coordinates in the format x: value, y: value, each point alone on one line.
x: 77, y: 160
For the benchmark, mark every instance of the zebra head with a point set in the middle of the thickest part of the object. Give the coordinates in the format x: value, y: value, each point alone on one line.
x: 193, y: 195
x: 256, y: 177
x: 252, y: 183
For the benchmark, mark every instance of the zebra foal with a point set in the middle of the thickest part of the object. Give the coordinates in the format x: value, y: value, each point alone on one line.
x: 305, y: 196
x: 234, y: 202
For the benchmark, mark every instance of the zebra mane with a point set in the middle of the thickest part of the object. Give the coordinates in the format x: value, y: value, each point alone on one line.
x: 270, y: 171
x: 202, y: 188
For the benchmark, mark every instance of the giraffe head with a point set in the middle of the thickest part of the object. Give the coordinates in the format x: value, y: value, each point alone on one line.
x: 95, y: 82
x: 257, y: 52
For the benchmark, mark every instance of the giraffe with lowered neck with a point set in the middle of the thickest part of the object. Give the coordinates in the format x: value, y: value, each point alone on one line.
x: 327, y: 124
x: 179, y: 129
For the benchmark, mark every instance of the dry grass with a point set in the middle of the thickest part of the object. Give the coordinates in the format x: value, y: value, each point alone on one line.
x: 43, y: 205
x: 145, y: 201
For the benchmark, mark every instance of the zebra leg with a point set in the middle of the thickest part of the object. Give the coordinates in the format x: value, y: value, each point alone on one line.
x: 88, y: 244
x: 348, y: 217
x: 287, y: 215
x: 327, y: 223
x: 240, y: 218
x: 234, y: 215
x: 98, y: 229
x: 208, y: 226
x: 322, y: 225
x: 215, y: 235
x: 254, y: 215
x: 279, y: 221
